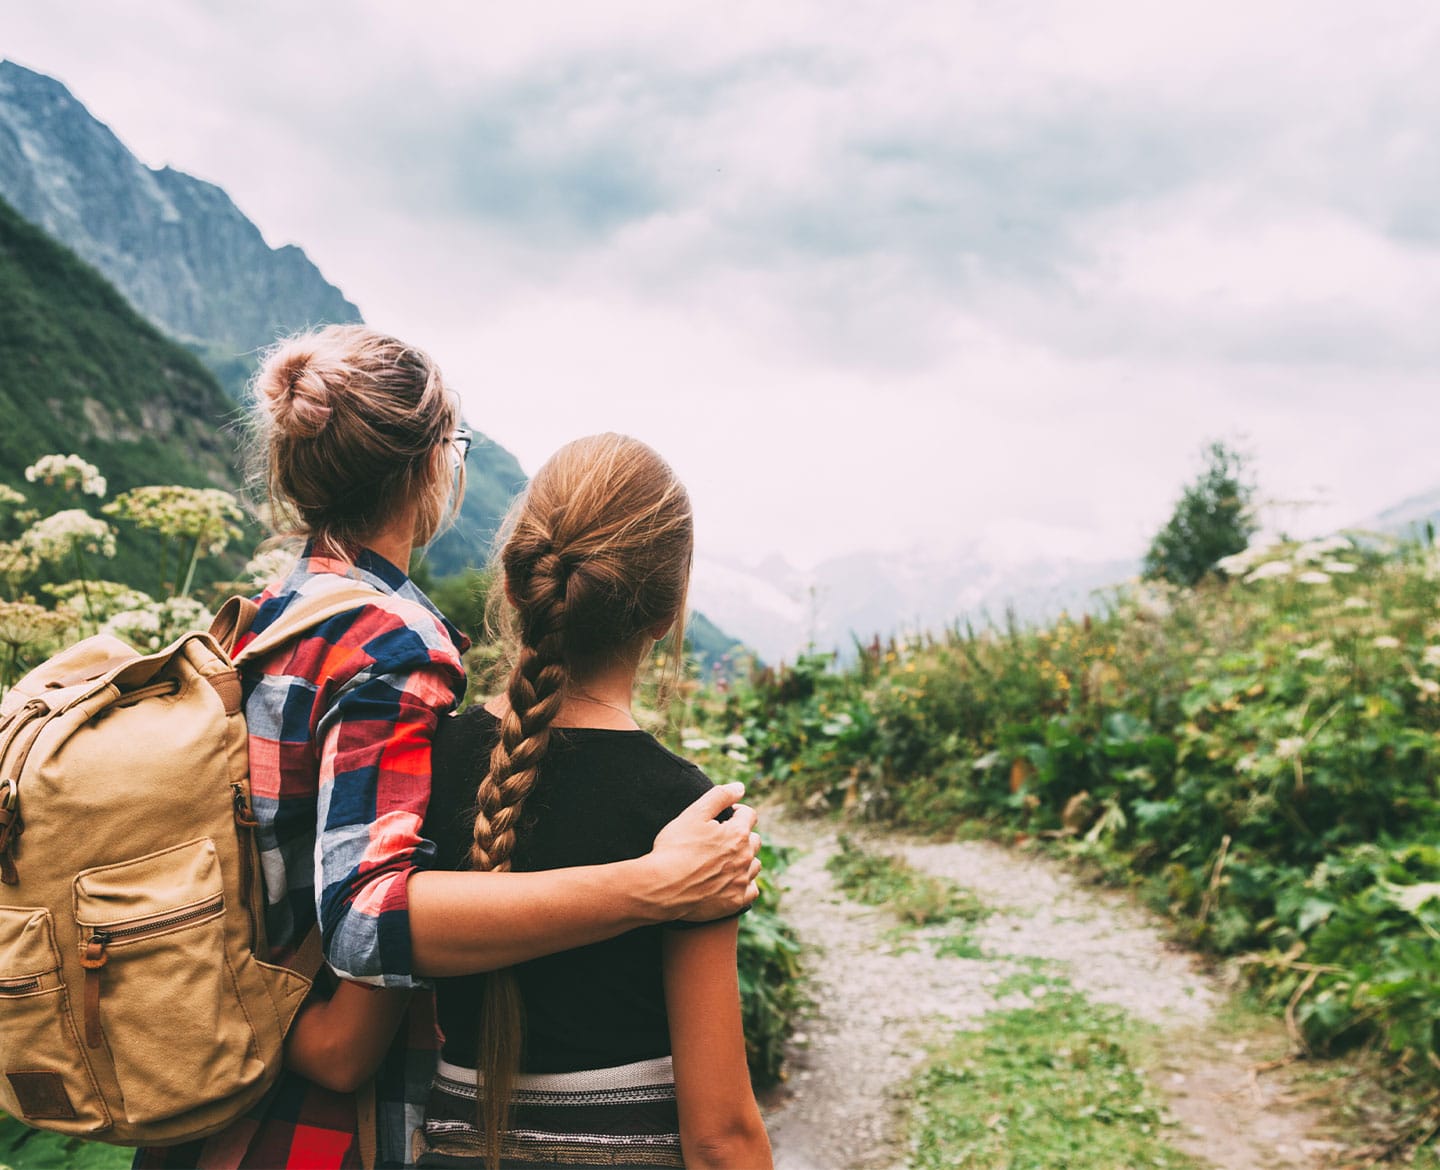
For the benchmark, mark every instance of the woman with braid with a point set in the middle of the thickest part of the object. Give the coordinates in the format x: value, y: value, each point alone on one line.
x: 629, y: 1051
x: 361, y: 447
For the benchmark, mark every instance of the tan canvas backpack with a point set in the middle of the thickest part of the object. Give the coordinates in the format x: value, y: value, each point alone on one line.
x: 136, y: 1005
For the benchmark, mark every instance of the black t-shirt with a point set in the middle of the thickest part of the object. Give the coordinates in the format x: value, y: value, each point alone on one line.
x: 601, y: 796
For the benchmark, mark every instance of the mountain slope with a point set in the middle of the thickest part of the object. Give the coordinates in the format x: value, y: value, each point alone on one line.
x: 81, y: 371
x: 191, y: 262
x: 176, y: 246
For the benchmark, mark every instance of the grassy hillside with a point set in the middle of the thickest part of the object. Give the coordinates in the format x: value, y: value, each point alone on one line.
x: 81, y: 371
x: 1258, y: 755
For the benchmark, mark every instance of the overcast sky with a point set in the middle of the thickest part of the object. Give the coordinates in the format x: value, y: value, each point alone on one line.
x: 871, y: 275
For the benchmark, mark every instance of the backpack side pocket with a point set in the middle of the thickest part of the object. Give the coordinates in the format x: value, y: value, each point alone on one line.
x: 44, y: 1076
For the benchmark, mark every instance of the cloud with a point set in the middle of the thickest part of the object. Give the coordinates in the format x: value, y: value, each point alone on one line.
x: 897, y: 273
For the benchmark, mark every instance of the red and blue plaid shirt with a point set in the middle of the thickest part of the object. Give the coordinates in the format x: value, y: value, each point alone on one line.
x: 340, y: 724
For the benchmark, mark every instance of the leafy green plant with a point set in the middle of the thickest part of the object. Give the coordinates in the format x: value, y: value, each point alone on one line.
x: 1258, y: 754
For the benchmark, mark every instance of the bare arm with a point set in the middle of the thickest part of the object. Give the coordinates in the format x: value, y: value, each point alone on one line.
x: 720, y: 1123
x: 699, y: 869
x: 339, y: 1042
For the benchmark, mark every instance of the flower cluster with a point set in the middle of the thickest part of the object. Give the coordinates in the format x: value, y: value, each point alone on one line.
x: 96, y: 599
x: 23, y: 623
x: 9, y: 497
x: 69, y: 472
x: 157, y: 623
x: 1315, y: 562
x: 208, y: 515
x: 55, y: 538
x: 267, y: 567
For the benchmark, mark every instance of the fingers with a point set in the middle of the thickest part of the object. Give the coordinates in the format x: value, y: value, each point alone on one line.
x: 713, y: 803
x: 752, y: 891
x: 754, y: 869
x: 744, y: 818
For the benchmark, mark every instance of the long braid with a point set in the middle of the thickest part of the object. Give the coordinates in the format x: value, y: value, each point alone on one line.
x: 535, y: 692
x: 596, y: 561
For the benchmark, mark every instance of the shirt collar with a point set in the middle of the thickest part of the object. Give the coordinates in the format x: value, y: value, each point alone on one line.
x: 374, y: 570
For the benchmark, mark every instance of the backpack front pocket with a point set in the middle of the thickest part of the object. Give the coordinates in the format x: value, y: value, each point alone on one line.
x: 43, y: 1073
x: 160, y: 992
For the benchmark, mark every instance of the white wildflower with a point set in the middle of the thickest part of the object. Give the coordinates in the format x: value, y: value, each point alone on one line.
x: 22, y: 623
x: 1386, y: 642
x: 207, y: 515
x: 1270, y: 569
x: 54, y: 538
x: 1289, y: 747
x: 158, y: 623
x: 1355, y: 603
x: 16, y: 560
x: 1429, y: 689
x: 695, y: 744
x: 736, y: 740
x: 1314, y: 550
x: 69, y: 472
x: 98, y: 598
x: 738, y: 756
x: 1431, y: 656
x: 9, y: 497
x: 139, y: 627
x: 1313, y: 577
x: 267, y: 567
x: 1339, y: 567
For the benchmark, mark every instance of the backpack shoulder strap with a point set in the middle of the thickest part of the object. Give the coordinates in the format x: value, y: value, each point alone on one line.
x: 301, y: 616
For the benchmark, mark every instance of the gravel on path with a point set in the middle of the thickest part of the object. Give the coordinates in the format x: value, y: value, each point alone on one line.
x: 880, y: 1001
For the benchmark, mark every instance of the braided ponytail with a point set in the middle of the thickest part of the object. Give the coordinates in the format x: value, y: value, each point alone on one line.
x: 596, y: 556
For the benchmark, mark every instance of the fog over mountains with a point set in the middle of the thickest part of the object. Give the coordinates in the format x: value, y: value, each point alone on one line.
x: 779, y: 609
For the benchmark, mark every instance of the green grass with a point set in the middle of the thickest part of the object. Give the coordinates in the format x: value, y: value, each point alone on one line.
x: 1050, y: 1085
x: 882, y: 879
x: 23, y: 1148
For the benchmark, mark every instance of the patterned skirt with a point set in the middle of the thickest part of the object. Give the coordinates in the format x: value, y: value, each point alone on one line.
x: 617, y: 1117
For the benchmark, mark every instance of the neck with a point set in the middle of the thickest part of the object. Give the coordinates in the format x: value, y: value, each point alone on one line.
x: 601, y: 699
x: 395, y: 544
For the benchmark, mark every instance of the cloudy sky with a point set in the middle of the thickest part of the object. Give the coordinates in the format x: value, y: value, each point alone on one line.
x: 871, y: 275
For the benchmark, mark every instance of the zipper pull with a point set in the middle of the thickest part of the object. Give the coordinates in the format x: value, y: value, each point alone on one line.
x: 243, y: 817
x: 92, y: 959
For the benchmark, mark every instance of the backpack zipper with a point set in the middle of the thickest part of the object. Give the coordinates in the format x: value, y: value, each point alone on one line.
x: 19, y: 986
x: 94, y: 956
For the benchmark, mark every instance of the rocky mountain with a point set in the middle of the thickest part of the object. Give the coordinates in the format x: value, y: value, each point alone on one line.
x: 185, y: 256
x: 188, y: 260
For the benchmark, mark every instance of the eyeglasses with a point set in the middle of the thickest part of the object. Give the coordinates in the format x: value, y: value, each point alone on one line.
x: 464, y: 440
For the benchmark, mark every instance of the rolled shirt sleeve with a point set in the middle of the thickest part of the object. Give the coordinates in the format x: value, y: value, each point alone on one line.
x: 374, y: 787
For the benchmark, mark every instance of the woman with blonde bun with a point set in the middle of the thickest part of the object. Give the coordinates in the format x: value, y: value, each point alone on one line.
x: 361, y: 449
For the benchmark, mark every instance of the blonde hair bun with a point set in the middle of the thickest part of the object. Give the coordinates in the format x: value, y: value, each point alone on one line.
x: 294, y: 385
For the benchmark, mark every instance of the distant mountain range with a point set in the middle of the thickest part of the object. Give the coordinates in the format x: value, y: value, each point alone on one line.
x: 780, y: 610
x: 190, y: 262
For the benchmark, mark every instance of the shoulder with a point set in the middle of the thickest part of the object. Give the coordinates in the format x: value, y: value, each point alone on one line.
x: 460, y: 755
x: 380, y: 632
x: 662, y: 783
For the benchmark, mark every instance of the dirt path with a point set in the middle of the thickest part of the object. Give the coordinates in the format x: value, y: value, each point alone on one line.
x: 879, y: 1002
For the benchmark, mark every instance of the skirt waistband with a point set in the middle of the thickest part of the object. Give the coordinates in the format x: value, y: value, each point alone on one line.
x: 642, y: 1074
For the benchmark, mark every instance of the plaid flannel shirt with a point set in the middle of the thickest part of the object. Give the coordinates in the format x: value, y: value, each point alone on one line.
x: 340, y: 724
